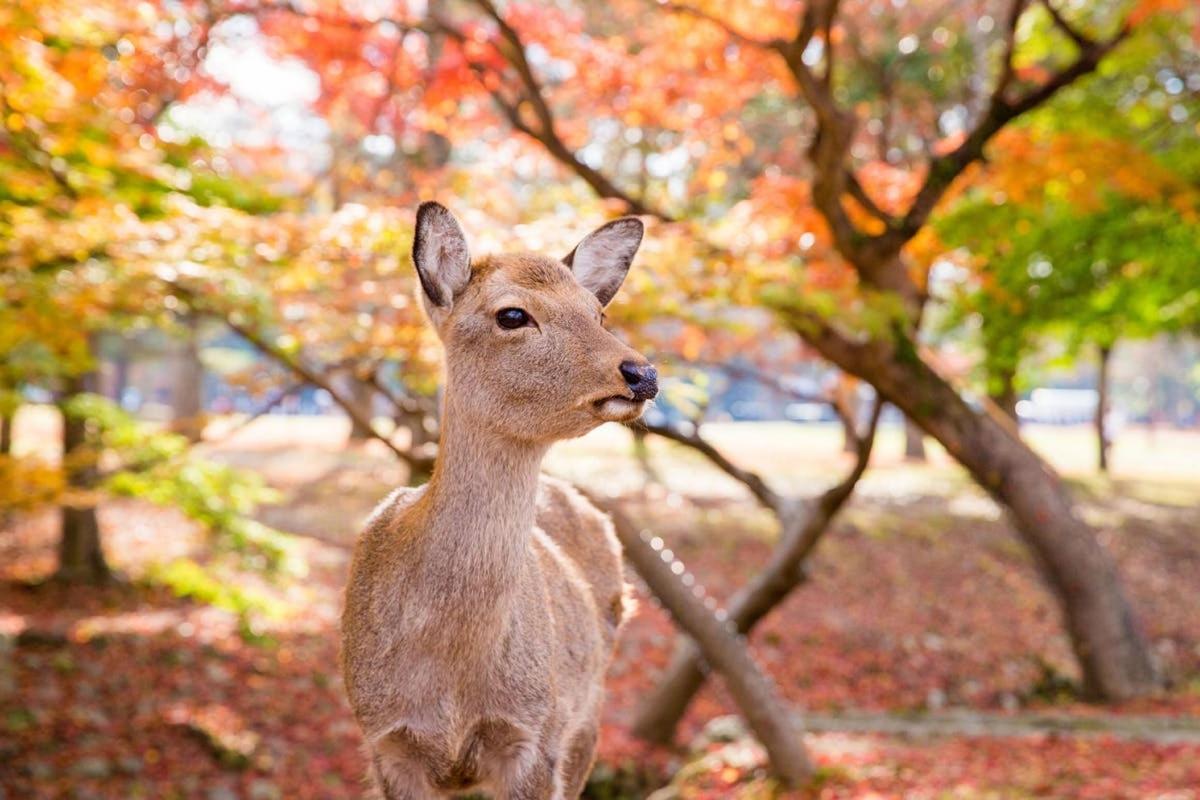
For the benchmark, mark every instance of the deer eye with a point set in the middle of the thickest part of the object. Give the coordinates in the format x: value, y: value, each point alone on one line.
x: 512, y: 318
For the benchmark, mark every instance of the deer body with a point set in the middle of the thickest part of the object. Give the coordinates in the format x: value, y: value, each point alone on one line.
x: 482, y: 608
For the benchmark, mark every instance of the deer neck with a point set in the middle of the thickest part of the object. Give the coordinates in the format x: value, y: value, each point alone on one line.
x: 480, y: 504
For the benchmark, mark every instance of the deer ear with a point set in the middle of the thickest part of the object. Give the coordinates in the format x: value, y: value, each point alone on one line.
x: 440, y: 255
x: 601, y: 260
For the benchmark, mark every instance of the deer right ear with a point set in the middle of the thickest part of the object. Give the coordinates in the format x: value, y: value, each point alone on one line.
x: 601, y: 260
x: 440, y: 255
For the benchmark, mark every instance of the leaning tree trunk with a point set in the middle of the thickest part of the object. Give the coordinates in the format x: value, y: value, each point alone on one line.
x: 80, y: 555
x: 802, y: 528
x: 764, y: 711
x: 1114, y: 659
x: 1102, y: 435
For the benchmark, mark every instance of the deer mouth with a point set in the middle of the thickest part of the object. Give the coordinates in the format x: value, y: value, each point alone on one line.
x: 618, y: 408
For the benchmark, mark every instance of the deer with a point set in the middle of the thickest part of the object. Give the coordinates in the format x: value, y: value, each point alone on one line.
x: 482, y: 608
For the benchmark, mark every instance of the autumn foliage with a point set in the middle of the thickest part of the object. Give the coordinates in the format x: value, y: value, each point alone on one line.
x: 922, y: 198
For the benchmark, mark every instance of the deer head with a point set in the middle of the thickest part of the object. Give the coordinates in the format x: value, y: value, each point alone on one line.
x: 527, y: 354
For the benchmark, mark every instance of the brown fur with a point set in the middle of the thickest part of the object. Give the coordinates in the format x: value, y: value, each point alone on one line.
x: 482, y: 608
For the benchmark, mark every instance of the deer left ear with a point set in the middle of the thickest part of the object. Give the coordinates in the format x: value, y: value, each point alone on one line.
x: 602, y: 259
x: 440, y: 256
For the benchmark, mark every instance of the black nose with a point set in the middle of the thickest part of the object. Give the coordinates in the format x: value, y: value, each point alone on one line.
x: 641, y: 378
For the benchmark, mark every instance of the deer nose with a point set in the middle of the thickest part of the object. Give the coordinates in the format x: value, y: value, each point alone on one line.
x: 642, y: 379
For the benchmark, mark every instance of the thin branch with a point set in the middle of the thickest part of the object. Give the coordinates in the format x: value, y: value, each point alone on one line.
x: 855, y: 189
x: 263, y: 409
x: 513, y: 51
x: 408, y: 405
x: 1007, y: 66
x: 291, y: 8
x: 692, y: 438
x: 33, y: 151
x: 1073, y: 33
x: 774, y: 43
x: 944, y: 169
x: 771, y: 382
x: 416, y: 459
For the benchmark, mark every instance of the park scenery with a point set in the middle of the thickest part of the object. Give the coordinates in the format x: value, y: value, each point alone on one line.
x: 914, y: 511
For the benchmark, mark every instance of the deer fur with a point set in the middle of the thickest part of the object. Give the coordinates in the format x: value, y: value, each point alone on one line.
x: 482, y: 608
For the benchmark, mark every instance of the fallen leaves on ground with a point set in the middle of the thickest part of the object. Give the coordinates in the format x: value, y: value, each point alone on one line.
x: 127, y: 692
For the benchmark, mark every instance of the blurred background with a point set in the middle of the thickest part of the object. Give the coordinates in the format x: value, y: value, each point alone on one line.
x: 921, y: 278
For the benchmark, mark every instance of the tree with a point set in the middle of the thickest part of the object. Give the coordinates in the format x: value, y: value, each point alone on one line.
x: 80, y: 554
x: 1093, y: 240
x: 871, y: 212
x: 82, y: 174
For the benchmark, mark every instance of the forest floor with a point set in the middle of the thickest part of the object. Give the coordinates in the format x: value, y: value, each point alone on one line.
x: 925, y: 654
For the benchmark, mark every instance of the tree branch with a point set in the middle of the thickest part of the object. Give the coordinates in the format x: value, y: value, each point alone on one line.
x: 1071, y: 31
x: 512, y: 50
x: 856, y: 190
x: 417, y: 460
x: 748, y: 478
x: 33, y: 151
x: 292, y: 8
x: 732, y: 32
x: 263, y: 409
x: 943, y: 170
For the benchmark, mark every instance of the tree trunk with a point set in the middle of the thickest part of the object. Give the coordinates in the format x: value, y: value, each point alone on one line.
x: 121, y: 363
x: 800, y: 529
x: 80, y: 555
x: 6, y: 430
x: 1113, y: 656
x: 10, y: 403
x: 187, y: 401
x: 1005, y: 394
x: 847, y: 435
x: 914, y: 442
x: 1102, y: 435
x: 845, y: 395
x: 764, y: 711
x: 363, y: 398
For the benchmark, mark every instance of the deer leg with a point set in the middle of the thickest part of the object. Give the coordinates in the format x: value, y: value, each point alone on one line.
x: 581, y: 753
x: 539, y: 781
x: 393, y: 781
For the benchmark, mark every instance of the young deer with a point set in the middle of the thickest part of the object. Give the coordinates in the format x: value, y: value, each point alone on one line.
x: 482, y: 608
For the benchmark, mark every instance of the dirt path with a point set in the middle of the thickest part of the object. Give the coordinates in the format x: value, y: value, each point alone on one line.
x: 1159, y: 730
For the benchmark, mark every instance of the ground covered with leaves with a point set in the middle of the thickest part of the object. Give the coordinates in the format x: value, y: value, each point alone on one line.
x: 921, y: 602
